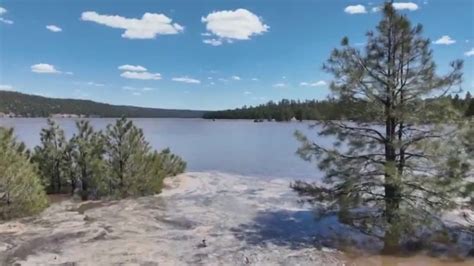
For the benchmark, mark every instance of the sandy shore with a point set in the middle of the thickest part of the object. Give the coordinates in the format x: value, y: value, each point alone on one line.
x: 227, y: 211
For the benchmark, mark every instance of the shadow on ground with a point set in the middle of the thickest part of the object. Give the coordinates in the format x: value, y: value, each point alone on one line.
x: 293, y: 229
x: 299, y: 229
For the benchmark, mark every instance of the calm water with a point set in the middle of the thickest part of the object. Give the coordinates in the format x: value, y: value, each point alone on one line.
x: 265, y: 150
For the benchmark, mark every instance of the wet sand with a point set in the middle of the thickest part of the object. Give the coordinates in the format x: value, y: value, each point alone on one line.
x: 242, y: 220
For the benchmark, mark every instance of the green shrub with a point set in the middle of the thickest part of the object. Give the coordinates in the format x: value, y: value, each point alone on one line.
x: 21, y: 192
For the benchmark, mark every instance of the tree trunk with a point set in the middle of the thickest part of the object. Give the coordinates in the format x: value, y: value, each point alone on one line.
x: 392, y: 187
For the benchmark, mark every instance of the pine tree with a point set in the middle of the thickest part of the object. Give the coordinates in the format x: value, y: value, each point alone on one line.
x: 49, y: 157
x: 21, y: 192
x: 87, y: 156
x: 126, y: 149
x: 411, y: 165
x: 134, y: 170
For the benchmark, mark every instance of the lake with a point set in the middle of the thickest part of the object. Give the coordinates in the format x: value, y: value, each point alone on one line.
x: 264, y: 150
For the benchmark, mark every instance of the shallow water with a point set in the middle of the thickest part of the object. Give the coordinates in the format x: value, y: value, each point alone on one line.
x: 265, y: 150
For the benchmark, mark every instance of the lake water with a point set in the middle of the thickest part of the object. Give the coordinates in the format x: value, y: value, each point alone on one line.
x: 265, y: 150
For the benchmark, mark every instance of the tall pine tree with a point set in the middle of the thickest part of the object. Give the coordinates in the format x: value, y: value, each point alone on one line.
x: 87, y: 153
x: 409, y: 165
x: 49, y: 157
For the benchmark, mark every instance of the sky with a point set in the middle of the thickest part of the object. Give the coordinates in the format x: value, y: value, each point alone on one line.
x: 205, y: 55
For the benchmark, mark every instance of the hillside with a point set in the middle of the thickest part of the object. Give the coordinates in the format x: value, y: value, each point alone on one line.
x: 37, y: 106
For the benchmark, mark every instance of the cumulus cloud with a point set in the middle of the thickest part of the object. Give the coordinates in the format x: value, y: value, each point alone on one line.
x: 230, y: 25
x: 54, y: 28
x: 405, y: 6
x: 255, y: 79
x: 313, y: 84
x: 355, y: 9
x: 2, y: 10
x: 186, y: 80
x: 43, y: 68
x: 235, y: 78
x: 141, y: 75
x: 136, y: 68
x: 445, y: 40
x: 469, y: 53
x: 6, y: 87
x: 279, y: 85
x: 147, y: 27
x: 247, y: 92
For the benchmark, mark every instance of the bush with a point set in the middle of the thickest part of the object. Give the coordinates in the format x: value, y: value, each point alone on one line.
x: 21, y: 192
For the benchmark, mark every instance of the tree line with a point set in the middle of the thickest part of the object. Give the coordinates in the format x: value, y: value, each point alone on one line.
x: 341, y: 108
x: 26, y: 105
x: 117, y: 163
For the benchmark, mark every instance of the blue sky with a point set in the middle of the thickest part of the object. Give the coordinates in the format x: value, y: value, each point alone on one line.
x: 211, y: 54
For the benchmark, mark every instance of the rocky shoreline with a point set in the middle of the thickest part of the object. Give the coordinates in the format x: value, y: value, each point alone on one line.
x: 206, y: 218
x: 167, y: 229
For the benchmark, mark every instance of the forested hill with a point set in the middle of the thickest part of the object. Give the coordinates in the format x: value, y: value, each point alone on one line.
x: 37, y: 106
x: 331, y: 109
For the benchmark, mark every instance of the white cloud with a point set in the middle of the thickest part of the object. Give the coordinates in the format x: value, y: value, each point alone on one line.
x: 147, y: 27
x: 279, y: 85
x: 255, y: 79
x: 313, y: 84
x: 445, y: 40
x: 68, y: 73
x: 376, y: 9
x: 141, y: 75
x: 223, y: 80
x: 148, y: 89
x: 186, y: 80
x: 405, y: 6
x: 6, y: 87
x: 247, y: 92
x: 469, y: 53
x: 92, y: 83
x: 44, y: 69
x: 229, y: 25
x: 136, y: 68
x: 235, y: 77
x: 54, y: 28
x: 356, y: 9
x: 6, y: 21
x: 213, y: 42
x: 398, y: 6
x: 136, y: 93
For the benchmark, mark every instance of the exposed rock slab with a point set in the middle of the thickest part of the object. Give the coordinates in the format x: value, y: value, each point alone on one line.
x: 243, y: 221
